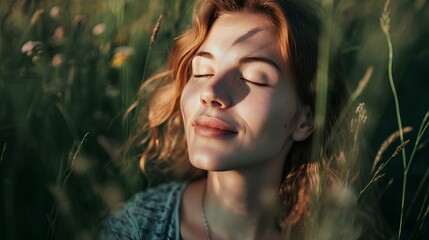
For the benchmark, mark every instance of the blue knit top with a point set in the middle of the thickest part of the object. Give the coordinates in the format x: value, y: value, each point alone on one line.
x: 150, y: 214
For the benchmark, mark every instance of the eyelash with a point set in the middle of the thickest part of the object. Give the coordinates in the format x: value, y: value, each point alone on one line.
x: 203, y: 75
x: 254, y: 83
x: 242, y: 78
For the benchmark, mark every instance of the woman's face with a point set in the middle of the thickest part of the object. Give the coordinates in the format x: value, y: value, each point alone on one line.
x: 239, y: 107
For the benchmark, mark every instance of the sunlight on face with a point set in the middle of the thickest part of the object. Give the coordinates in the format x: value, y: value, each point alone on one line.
x: 239, y: 106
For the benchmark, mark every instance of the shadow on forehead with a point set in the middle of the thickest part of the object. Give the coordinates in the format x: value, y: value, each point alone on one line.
x: 246, y: 36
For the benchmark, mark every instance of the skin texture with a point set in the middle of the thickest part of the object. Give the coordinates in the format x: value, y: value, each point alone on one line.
x: 241, y: 116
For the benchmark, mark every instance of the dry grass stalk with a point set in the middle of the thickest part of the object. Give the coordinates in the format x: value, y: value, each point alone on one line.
x: 360, y: 118
x: 155, y: 31
x: 385, y: 18
x: 362, y: 113
x: 378, y: 177
x: 363, y: 82
x: 377, y: 174
x: 36, y: 16
x: 386, y: 8
x: 386, y: 144
x: 399, y: 148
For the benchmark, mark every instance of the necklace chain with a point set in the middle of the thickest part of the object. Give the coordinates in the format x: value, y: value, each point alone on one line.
x: 203, y: 213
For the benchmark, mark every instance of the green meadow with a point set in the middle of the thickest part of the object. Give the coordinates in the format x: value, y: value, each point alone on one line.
x: 69, y: 70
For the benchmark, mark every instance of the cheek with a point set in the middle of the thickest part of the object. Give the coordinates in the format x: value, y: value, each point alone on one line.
x: 270, y: 117
x: 187, y: 102
x: 183, y: 103
x: 276, y: 109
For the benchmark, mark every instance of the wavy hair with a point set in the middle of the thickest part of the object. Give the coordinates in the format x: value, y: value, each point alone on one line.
x: 161, y: 134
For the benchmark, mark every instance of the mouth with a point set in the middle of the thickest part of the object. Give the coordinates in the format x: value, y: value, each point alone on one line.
x: 211, y: 127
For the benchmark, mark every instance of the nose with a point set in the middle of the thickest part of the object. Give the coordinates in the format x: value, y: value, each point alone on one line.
x: 216, y: 94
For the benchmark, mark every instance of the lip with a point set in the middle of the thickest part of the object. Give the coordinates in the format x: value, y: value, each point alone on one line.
x: 212, y: 127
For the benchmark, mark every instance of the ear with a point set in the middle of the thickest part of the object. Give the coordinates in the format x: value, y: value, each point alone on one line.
x: 304, y: 124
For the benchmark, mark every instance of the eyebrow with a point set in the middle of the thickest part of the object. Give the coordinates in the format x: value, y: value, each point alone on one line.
x: 242, y: 60
x: 205, y: 55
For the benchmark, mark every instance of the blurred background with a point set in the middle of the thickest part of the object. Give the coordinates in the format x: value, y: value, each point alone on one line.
x: 70, y: 69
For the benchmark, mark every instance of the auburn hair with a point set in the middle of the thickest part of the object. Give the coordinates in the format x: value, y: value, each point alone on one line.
x: 160, y: 131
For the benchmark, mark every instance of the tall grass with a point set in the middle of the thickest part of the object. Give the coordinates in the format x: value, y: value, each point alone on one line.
x: 69, y: 70
x: 385, y: 26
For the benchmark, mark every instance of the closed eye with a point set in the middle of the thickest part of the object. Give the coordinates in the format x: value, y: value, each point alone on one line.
x: 242, y: 78
x: 255, y: 83
x: 203, y: 75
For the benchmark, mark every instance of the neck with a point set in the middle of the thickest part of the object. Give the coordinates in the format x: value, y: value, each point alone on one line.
x: 240, y: 205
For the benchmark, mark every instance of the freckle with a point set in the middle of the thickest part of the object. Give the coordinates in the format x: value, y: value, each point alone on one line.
x: 285, y: 125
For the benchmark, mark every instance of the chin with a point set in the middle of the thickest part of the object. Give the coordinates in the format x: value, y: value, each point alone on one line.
x: 217, y: 164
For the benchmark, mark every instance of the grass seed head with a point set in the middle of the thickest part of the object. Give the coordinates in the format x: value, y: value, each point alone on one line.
x: 36, y: 16
x: 386, y: 144
x: 400, y: 147
x: 155, y: 31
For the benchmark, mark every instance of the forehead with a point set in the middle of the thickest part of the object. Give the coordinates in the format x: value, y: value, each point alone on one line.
x: 235, y: 29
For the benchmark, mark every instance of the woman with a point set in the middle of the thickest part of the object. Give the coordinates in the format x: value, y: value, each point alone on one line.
x: 230, y: 123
